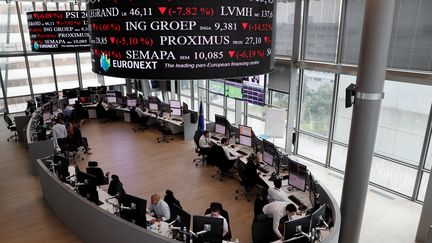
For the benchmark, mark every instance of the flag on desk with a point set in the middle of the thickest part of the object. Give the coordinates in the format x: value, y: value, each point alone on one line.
x: 201, y: 118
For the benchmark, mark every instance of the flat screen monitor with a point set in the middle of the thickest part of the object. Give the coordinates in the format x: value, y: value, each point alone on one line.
x: 297, y: 175
x: 175, y: 104
x: 233, y: 90
x: 312, y: 189
x: 246, y: 141
x: 46, y: 116
x: 71, y: 101
x: 131, y: 102
x: 217, y: 87
x: 290, y: 227
x: 318, y: 216
x: 153, y: 107
x: 88, y: 190
x: 176, y: 112
x: 212, y: 226
x: 267, y: 158
x: 136, y: 212
x: 112, y: 99
x: 269, y: 147
x: 62, y: 164
x: 182, y: 218
x: 245, y: 131
x: 220, y: 129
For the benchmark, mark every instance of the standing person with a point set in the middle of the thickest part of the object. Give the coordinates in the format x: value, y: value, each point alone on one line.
x: 275, y: 193
x: 58, y: 130
x: 277, y: 210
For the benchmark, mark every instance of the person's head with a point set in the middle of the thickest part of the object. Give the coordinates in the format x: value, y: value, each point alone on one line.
x: 69, y: 128
x: 290, y: 210
x: 155, y: 198
x: 207, y: 134
x: 277, y: 183
x: 214, y: 212
x: 224, y: 141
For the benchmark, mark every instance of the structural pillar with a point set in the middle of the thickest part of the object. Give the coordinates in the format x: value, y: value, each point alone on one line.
x: 424, y: 230
x: 377, y: 28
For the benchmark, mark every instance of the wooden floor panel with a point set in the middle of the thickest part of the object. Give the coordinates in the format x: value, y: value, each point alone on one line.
x: 144, y: 166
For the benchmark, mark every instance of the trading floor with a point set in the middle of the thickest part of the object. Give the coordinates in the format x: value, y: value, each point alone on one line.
x: 146, y: 167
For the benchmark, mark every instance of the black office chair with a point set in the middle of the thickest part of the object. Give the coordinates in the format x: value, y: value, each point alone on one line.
x: 102, y: 114
x: 247, y: 180
x: 69, y: 150
x: 221, y: 162
x: 171, y: 201
x: 94, y: 170
x: 201, y: 156
x: 262, y: 229
x: 11, y: 126
x: 141, y: 122
x: 165, y: 132
x: 115, y: 187
x: 224, y: 214
x: 260, y: 201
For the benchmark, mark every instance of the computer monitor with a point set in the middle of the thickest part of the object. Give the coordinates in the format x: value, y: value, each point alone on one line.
x: 312, y: 189
x: 221, y: 120
x: 131, y: 102
x: 245, y: 131
x: 46, y: 116
x: 71, y: 101
x: 112, y: 99
x: 297, y: 175
x: 220, y: 129
x: 88, y: 190
x: 61, y: 168
x: 292, y: 227
x: 318, y: 216
x: 136, y: 212
x: 176, y: 112
x: 175, y: 104
x: 182, y: 218
x: 267, y: 158
x: 212, y: 226
x: 245, y: 140
x: 153, y: 107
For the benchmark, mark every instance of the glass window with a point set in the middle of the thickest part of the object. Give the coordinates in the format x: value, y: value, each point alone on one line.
x: 202, y: 83
x: 280, y: 142
x: 216, y: 99
x: 24, y: 8
x: 185, y: 87
x: 14, y: 74
x: 403, y: 120
x: 284, y: 27
x: 230, y: 103
x: 10, y: 37
x: 423, y: 186
x: 322, y: 30
x: 343, y: 115
x: 280, y: 99
x: 338, y: 157
x: 393, y: 176
x: 410, y: 46
x: 313, y: 148
x: 316, y: 102
x: 42, y: 74
x: 230, y: 116
x: 66, y: 71
x: 51, y: 6
x: 428, y: 163
x: 258, y: 126
x: 202, y: 94
x: 17, y: 104
x: 213, y: 111
x: 89, y: 78
x: 256, y: 110
x: 108, y: 81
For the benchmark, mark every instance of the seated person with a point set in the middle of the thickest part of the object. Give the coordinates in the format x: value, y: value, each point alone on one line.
x: 160, y: 209
x: 204, y: 143
x: 215, y: 213
x: 143, y: 116
x: 78, y: 112
x: 277, y: 210
x: 104, y: 110
x: 275, y: 193
x: 231, y: 158
x: 58, y: 130
x: 67, y: 112
x: 77, y: 138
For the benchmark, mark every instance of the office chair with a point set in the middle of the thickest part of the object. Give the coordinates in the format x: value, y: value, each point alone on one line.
x: 69, y: 150
x: 170, y: 199
x: 165, y: 131
x: 102, y: 114
x: 222, y: 163
x: 224, y: 214
x: 262, y: 229
x: 201, y: 156
x: 11, y: 126
x: 141, y: 122
x: 260, y: 201
x: 115, y: 187
x: 247, y: 181
x: 93, y: 169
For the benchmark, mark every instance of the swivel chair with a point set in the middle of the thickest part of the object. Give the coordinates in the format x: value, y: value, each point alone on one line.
x: 201, y: 156
x: 262, y: 229
x: 141, y: 122
x: 247, y: 181
x: 94, y: 170
x: 69, y: 150
x: 165, y: 132
x: 115, y: 187
x: 222, y: 163
x: 11, y: 126
x: 224, y: 214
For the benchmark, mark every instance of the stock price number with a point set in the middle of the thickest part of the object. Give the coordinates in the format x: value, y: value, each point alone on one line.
x: 225, y: 26
x: 212, y: 55
x: 101, y: 41
x: 253, y: 40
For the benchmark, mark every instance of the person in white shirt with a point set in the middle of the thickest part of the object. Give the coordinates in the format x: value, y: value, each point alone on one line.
x: 277, y: 210
x: 204, y: 142
x: 275, y: 193
x: 229, y: 156
x: 160, y: 209
x: 58, y: 131
x: 215, y: 213
x: 140, y: 112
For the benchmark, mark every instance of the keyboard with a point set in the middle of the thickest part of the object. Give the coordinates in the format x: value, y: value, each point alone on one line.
x: 262, y: 170
x: 241, y: 152
x: 214, y: 137
x: 295, y: 200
